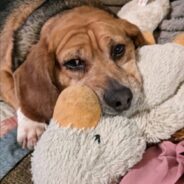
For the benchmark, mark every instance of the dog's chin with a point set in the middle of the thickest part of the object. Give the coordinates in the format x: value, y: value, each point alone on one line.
x: 108, y: 111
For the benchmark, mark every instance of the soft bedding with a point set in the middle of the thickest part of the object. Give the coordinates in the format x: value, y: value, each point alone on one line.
x: 10, y: 152
x: 173, y: 24
x: 163, y: 164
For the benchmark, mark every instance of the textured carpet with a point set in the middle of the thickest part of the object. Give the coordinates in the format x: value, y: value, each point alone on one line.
x: 20, y: 174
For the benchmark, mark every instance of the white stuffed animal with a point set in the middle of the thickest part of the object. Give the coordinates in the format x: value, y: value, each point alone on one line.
x: 146, y: 17
x: 105, y: 150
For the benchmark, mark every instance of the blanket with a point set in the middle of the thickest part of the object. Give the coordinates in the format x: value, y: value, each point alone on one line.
x: 173, y: 24
x: 11, y: 153
x: 163, y: 164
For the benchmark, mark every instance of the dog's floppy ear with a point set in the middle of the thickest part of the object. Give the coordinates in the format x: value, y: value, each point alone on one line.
x: 35, y: 84
x: 133, y: 32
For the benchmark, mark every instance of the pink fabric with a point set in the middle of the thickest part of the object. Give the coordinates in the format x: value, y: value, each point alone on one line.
x: 7, y: 125
x: 162, y: 164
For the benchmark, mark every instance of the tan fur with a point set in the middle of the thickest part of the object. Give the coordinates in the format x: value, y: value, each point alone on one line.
x: 6, y: 43
x: 83, y: 112
x: 148, y: 36
x: 39, y: 79
x: 179, y: 39
x: 178, y: 136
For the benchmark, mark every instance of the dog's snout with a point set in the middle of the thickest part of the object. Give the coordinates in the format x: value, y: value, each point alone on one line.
x: 118, y: 98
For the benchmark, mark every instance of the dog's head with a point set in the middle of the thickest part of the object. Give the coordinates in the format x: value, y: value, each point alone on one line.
x: 85, y: 45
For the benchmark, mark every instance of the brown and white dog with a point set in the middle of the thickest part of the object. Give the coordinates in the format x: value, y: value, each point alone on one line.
x: 48, y: 45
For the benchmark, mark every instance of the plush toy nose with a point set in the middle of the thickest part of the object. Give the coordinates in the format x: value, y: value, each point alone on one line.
x: 77, y: 106
x: 118, y: 98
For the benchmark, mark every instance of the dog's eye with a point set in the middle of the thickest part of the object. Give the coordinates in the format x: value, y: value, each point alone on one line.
x: 75, y: 64
x: 117, y: 51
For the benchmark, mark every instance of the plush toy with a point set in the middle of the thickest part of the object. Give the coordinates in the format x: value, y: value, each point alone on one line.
x: 80, y: 146
x: 147, y: 17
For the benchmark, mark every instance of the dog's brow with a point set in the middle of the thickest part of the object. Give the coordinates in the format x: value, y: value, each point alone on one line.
x: 93, y: 39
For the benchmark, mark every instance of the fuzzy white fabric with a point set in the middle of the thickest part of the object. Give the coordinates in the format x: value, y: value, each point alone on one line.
x: 162, y: 68
x: 145, y: 17
x: 66, y: 155
x: 162, y: 112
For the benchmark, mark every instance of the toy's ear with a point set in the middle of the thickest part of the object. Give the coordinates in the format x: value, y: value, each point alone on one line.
x: 148, y: 36
x: 179, y: 39
x: 77, y: 106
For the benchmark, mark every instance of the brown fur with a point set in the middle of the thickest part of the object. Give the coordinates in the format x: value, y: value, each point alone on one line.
x: 6, y: 44
x: 39, y: 80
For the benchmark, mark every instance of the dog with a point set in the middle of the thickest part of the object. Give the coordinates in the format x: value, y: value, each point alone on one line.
x: 48, y: 45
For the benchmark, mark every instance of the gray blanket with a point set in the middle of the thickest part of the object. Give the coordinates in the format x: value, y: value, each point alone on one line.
x: 11, y: 153
x: 173, y: 24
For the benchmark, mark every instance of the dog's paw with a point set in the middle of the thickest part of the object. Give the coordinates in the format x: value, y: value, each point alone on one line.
x: 28, y: 131
x: 143, y: 2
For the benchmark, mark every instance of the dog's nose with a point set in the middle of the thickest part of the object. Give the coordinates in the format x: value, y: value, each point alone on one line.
x: 119, y: 98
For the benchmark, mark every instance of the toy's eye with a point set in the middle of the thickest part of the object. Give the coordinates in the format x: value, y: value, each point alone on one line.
x: 117, y: 51
x: 97, y: 138
x: 75, y: 64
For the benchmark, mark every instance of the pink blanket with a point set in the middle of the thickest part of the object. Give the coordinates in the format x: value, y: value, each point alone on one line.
x: 162, y: 164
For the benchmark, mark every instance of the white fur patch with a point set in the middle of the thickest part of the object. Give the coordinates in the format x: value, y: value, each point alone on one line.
x: 29, y: 131
x: 145, y: 14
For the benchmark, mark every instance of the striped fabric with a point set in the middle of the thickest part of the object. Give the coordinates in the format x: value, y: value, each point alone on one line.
x: 10, y: 152
x: 7, y: 119
x: 7, y: 125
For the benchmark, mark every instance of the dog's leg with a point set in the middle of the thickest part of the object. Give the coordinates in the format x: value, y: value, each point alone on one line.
x: 29, y: 131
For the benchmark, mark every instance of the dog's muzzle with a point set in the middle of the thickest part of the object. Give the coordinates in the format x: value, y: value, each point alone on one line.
x: 118, y: 97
